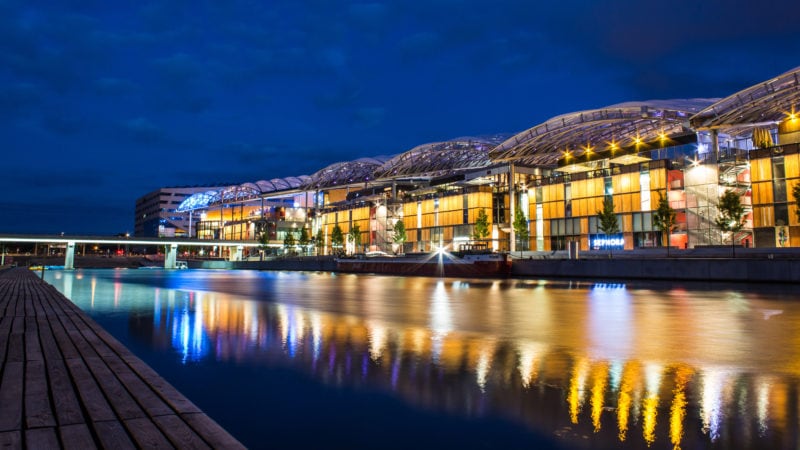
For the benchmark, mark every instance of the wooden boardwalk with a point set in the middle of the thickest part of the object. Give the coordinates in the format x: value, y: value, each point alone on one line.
x: 66, y: 383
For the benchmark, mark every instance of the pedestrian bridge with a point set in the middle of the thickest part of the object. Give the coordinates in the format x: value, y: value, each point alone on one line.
x: 170, y: 245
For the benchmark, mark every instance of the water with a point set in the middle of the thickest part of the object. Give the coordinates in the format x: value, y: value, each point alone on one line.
x: 319, y: 360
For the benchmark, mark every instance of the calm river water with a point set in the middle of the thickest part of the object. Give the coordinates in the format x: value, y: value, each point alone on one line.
x: 320, y: 360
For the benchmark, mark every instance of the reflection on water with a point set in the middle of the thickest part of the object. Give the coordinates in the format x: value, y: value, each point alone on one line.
x: 593, y: 365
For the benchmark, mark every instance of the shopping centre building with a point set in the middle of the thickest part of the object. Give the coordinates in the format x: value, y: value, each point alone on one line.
x: 556, y: 173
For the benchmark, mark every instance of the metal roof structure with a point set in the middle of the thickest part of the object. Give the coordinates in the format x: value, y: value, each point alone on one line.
x: 765, y: 103
x: 199, y: 200
x: 615, y: 126
x: 440, y: 158
x: 242, y: 192
x: 343, y: 173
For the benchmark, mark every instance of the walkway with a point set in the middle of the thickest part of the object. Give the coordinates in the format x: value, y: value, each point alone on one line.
x: 65, y: 382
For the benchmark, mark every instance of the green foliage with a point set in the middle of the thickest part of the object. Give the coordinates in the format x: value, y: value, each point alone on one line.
x: 399, y: 232
x: 481, y: 229
x: 664, y: 217
x: 337, y: 237
x: 520, y: 227
x: 289, y: 240
x: 355, y: 235
x: 320, y: 239
x: 731, y: 212
x: 608, y: 220
x: 304, y: 239
x: 796, y: 195
x: 263, y: 240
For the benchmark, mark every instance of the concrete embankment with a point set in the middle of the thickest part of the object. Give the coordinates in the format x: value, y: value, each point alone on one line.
x: 689, y: 269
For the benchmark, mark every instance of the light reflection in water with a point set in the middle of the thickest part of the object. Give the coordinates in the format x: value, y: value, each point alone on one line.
x: 619, y: 376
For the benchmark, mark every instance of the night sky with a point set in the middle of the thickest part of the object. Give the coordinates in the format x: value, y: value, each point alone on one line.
x: 103, y: 101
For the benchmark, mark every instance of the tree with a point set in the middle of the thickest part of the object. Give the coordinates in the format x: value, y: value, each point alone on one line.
x: 608, y: 220
x: 664, y: 218
x: 796, y: 195
x: 521, y: 228
x: 263, y: 242
x: 337, y: 238
x: 289, y: 241
x: 320, y: 241
x: 304, y: 239
x: 399, y: 237
x: 731, y: 215
x: 481, y: 229
x: 355, y: 236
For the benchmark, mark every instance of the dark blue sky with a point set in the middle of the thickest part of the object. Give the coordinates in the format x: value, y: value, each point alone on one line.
x: 103, y: 101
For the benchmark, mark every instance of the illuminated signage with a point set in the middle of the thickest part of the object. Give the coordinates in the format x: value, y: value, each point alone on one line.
x: 607, y: 242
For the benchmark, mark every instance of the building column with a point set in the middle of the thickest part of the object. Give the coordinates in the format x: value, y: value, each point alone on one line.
x: 715, y: 144
x: 171, y: 257
x: 237, y: 254
x: 512, y: 206
x: 69, y: 259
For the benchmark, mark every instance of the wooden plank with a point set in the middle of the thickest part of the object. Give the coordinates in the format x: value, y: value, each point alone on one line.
x: 11, y: 396
x: 65, y: 400
x: 11, y: 440
x: 41, y: 438
x: 68, y: 350
x: 145, y: 396
x: 37, y: 402
x: 83, y: 347
x: 146, y: 434
x: 77, y: 437
x: 50, y: 349
x: 175, y: 399
x: 112, y: 435
x: 88, y: 391
x: 215, y: 435
x: 179, y: 432
x: 33, y: 349
x: 16, y: 346
x: 117, y: 395
x: 67, y: 382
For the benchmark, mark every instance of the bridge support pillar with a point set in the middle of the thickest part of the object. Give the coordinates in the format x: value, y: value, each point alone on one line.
x: 236, y: 253
x: 171, y: 257
x: 69, y: 259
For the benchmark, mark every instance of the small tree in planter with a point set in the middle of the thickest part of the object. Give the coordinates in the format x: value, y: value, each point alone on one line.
x: 521, y: 229
x: 664, y: 218
x: 304, y: 240
x: 337, y: 239
x: 481, y: 229
x: 320, y: 241
x: 263, y: 242
x: 731, y: 216
x: 399, y: 236
x: 609, y: 224
x: 289, y: 242
x: 355, y: 236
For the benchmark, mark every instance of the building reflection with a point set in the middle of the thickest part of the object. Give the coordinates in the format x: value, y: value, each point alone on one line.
x: 600, y: 392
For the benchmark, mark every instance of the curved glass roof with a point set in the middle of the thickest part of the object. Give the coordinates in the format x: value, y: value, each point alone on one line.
x: 199, y: 200
x: 344, y: 173
x: 767, y: 102
x: 439, y: 158
x: 619, y: 125
x: 241, y: 192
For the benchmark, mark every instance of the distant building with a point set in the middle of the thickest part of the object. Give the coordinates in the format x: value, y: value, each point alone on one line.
x: 156, y: 212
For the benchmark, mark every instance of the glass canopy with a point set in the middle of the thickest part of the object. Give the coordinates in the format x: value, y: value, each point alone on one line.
x: 620, y: 125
